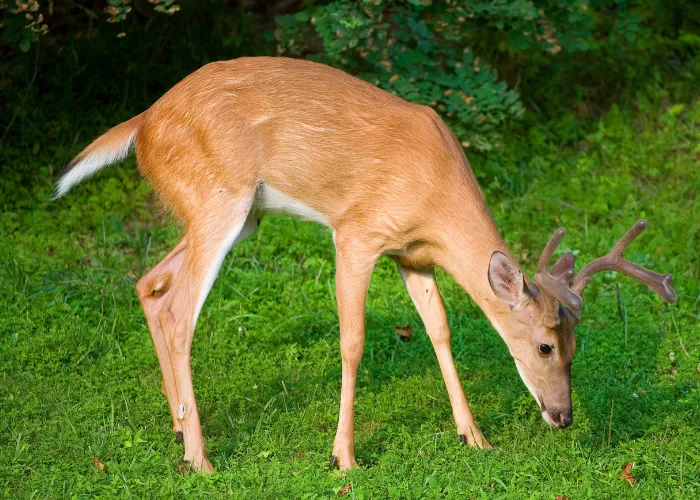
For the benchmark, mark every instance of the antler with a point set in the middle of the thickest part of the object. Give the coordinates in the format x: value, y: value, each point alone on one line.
x: 558, y: 285
x: 615, y: 261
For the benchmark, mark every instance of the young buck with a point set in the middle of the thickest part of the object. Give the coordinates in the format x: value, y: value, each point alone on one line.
x: 239, y: 138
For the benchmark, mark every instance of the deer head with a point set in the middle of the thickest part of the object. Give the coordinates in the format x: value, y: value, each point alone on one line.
x: 545, y: 313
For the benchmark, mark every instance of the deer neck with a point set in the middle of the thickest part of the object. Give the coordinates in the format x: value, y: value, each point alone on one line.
x: 468, y: 241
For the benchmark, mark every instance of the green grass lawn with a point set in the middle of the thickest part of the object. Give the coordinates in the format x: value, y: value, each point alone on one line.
x: 79, y: 377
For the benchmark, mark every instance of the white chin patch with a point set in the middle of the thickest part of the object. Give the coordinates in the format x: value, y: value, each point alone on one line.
x: 547, y: 419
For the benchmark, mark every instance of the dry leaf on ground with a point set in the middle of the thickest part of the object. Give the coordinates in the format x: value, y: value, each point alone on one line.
x: 345, y: 490
x: 561, y: 497
x: 404, y: 332
x: 626, y: 473
x: 98, y: 464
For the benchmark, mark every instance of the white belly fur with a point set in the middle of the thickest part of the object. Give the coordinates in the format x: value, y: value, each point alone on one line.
x: 271, y: 200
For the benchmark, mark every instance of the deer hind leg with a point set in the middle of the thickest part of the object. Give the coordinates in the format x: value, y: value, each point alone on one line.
x: 353, y: 271
x: 424, y: 292
x: 221, y: 221
x: 153, y: 289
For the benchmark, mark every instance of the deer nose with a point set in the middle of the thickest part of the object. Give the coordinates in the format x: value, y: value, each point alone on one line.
x: 561, y: 419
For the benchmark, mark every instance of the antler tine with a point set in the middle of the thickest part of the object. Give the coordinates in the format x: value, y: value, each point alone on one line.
x: 558, y: 286
x: 549, y: 249
x: 615, y: 261
x: 619, y: 248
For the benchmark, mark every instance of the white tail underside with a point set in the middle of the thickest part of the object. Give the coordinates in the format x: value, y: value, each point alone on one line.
x: 90, y: 164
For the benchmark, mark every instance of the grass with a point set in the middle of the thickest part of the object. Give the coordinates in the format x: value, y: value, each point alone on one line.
x: 79, y: 378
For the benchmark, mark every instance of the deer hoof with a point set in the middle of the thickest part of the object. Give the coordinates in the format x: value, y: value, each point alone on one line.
x: 197, y: 466
x: 178, y: 436
x: 334, y: 462
x: 480, y: 443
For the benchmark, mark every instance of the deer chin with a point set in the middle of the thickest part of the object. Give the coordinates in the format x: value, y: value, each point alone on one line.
x: 548, y: 419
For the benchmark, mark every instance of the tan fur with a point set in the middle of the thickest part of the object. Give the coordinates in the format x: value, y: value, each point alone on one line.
x: 387, y: 175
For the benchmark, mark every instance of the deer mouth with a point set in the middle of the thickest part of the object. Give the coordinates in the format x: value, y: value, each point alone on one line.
x: 545, y: 413
x: 555, y: 418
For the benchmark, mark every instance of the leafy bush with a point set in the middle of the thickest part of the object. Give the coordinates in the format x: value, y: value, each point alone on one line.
x: 432, y: 52
x: 21, y: 23
x: 411, y: 51
x: 443, y: 53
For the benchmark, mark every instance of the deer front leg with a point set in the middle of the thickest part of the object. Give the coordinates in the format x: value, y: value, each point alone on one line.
x: 353, y: 271
x: 424, y: 292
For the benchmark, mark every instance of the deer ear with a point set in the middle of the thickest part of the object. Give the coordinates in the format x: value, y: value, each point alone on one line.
x: 506, y: 280
x: 564, y: 263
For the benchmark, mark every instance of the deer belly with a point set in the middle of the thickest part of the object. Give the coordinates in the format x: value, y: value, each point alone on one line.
x: 275, y: 201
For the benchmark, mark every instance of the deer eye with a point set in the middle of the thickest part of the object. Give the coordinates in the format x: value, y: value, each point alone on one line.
x: 545, y: 348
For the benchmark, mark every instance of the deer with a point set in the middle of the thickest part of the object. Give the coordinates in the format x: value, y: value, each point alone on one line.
x: 237, y: 139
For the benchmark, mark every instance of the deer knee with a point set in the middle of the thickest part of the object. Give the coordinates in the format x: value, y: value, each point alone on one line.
x: 351, y: 349
x: 440, y: 337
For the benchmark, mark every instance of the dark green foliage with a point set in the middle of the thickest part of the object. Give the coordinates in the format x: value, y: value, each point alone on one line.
x: 420, y: 51
x: 443, y: 54
x: 21, y: 23
x: 108, y: 79
x: 446, y: 54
